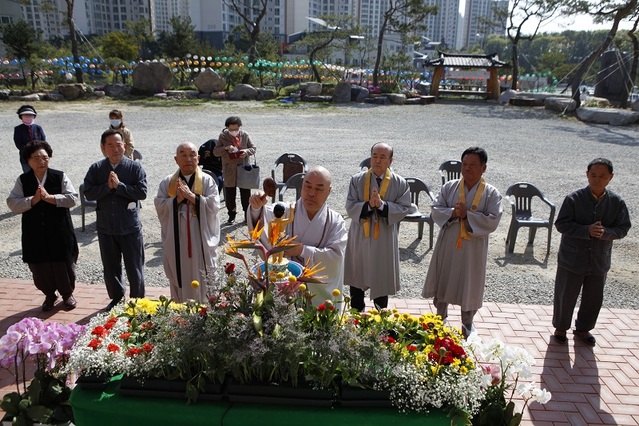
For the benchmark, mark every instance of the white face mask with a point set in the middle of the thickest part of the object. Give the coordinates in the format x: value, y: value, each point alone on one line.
x: 234, y: 132
x: 28, y: 119
x: 115, y: 123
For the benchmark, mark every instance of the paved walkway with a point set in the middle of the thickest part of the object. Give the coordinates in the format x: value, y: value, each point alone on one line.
x: 590, y: 386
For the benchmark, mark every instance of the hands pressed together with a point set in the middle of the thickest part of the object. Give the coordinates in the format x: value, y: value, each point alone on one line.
x: 596, y: 230
x: 184, y: 193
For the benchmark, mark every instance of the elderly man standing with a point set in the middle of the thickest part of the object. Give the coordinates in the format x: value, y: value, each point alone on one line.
x: 378, y: 199
x: 467, y: 210
x: 118, y: 184
x: 319, y: 230
x: 188, y: 205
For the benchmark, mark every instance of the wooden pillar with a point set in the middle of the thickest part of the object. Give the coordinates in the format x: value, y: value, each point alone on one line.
x: 437, y: 78
x: 493, y: 85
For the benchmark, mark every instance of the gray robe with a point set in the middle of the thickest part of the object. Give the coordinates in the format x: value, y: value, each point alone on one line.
x: 205, y: 236
x: 458, y: 276
x: 369, y: 262
x: 324, y: 240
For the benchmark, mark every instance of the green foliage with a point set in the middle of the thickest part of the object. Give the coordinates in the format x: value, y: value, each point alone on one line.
x: 119, y: 45
x: 181, y: 40
x: 288, y: 90
x: 20, y: 39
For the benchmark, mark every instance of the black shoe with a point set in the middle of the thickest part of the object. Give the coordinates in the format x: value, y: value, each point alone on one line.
x: 49, y: 303
x: 70, y: 302
x: 113, y: 304
x: 231, y: 218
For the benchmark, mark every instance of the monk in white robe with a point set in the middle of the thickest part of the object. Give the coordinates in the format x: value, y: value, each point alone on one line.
x: 188, y: 205
x: 457, y: 271
x: 377, y: 200
x: 320, y: 232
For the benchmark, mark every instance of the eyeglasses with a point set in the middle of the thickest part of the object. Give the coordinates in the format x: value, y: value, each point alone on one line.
x: 40, y: 158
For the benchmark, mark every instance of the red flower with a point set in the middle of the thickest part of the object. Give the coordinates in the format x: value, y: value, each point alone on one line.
x: 110, y: 323
x: 95, y: 344
x: 99, y: 331
x: 148, y: 347
x: 202, y: 311
x: 113, y: 347
x: 229, y: 268
x: 388, y: 339
x: 411, y: 347
x: 321, y: 307
x: 125, y: 336
x: 133, y: 351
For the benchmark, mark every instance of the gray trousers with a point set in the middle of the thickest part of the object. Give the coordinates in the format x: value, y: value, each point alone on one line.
x: 51, y: 276
x: 112, y: 249
x: 442, y: 311
x: 568, y: 285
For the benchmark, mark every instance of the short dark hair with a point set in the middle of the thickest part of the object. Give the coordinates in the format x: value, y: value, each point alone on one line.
x: 34, y: 146
x: 377, y: 143
x: 110, y: 132
x: 115, y: 113
x: 233, y: 120
x: 279, y: 210
x: 601, y: 162
x: 480, y: 152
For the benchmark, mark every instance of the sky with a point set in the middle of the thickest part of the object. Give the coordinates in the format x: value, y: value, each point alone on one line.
x: 578, y: 23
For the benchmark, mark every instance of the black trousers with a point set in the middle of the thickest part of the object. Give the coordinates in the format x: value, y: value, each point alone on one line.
x: 357, y: 300
x: 229, y: 198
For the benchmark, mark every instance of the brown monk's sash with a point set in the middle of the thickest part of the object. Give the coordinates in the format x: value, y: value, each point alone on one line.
x: 367, y: 195
x: 463, y: 233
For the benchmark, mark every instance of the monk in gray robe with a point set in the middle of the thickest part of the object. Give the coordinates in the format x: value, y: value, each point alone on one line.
x: 319, y: 231
x: 188, y: 205
x: 467, y: 210
x: 377, y: 200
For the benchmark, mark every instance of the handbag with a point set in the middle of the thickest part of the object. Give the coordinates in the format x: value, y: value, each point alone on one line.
x: 248, y: 175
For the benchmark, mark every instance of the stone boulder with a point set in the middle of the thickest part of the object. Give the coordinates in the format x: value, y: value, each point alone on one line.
x: 358, y: 94
x: 614, y: 117
x: 506, y: 96
x: 313, y: 88
x: 4, y: 95
x: 560, y: 104
x: 342, y: 93
x: 396, y: 98
x: 74, y: 90
x: 318, y: 98
x: 635, y: 105
x: 209, y: 81
x: 117, y: 90
x: 243, y: 92
x: 265, y: 94
x: 54, y: 96
x: 594, y: 102
x: 151, y: 77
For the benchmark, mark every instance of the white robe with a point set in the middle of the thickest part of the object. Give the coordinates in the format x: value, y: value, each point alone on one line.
x: 374, y: 263
x: 324, y: 240
x: 458, y: 276
x: 205, y: 236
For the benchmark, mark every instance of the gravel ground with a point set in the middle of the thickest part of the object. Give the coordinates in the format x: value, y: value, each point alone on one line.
x: 523, y: 145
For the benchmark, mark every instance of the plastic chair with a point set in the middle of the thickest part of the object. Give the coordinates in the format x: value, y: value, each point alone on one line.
x: 417, y: 186
x: 84, y: 204
x: 291, y: 165
x: 522, y: 214
x: 137, y: 155
x: 218, y: 180
x: 296, y: 181
x: 450, y: 170
x: 365, y: 164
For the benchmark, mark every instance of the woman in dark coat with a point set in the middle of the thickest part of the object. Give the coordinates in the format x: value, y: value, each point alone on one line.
x: 44, y: 196
x: 27, y: 131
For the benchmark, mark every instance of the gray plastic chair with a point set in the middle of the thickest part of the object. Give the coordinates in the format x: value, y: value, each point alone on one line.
x: 522, y: 194
x: 417, y: 186
x: 365, y: 164
x: 84, y: 204
x: 450, y: 170
x: 291, y: 165
x: 137, y: 155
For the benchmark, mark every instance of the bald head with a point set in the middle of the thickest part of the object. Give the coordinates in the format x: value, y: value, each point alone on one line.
x: 316, y: 189
x: 187, y: 158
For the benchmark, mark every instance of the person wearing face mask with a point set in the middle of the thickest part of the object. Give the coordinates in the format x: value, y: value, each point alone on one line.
x: 116, y: 123
x: 233, y: 146
x: 26, y: 132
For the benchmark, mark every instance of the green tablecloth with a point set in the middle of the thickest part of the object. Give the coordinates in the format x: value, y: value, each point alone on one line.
x: 108, y: 408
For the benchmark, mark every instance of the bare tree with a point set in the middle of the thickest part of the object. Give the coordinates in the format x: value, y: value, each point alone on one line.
x: 601, y: 10
x: 252, y: 12
x: 635, y: 52
x: 525, y: 17
x: 402, y: 17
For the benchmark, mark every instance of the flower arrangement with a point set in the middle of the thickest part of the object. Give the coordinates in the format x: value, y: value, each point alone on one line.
x: 45, y: 345
x: 265, y: 329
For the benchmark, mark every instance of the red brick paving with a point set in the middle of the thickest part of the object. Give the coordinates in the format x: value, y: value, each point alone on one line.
x: 590, y: 386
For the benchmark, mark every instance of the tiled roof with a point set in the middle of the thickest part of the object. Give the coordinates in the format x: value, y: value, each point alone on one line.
x: 457, y: 60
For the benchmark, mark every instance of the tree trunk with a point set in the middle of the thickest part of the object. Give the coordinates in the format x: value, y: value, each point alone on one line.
x: 515, y: 74
x: 380, y: 45
x: 587, y: 63
x: 316, y: 74
x: 74, y: 43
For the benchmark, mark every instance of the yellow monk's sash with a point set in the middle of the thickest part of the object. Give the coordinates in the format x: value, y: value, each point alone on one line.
x: 463, y: 233
x: 367, y: 196
x: 198, y: 185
